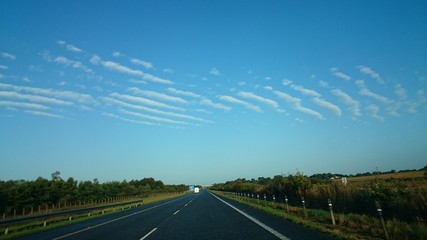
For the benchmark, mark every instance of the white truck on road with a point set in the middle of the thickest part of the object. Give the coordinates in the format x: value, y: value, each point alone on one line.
x: 196, y: 190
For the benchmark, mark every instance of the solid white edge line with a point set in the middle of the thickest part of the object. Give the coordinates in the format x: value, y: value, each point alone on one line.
x: 148, y: 234
x: 272, y: 231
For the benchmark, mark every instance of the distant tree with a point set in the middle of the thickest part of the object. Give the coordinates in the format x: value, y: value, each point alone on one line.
x: 56, y: 176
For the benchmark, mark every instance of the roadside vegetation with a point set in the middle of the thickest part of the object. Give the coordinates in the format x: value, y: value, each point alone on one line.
x: 19, y: 198
x: 401, y: 196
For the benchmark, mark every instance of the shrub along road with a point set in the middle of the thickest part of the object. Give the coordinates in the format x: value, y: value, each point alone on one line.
x: 194, y: 216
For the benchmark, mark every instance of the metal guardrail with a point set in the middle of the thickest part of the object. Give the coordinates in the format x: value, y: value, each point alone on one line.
x: 62, y: 213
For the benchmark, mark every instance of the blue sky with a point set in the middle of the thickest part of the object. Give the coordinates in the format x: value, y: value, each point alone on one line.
x: 199, y: 92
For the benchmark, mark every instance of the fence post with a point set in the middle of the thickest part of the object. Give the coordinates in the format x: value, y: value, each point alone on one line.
x: 380, y: 213
x: 332, y: 212
x: 303, y: 206
x: 287, y: 205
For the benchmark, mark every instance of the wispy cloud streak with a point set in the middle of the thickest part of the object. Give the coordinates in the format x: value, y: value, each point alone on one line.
x: 157, y: 95
x: 73, y: 96
x: 8, y: 55
x: 144, y: 101
x: 117, y: 102
x: 240, y: 102
x: 353, y: 105
x: 339, y: 74
x: 366, y: 92
x: 126, y: 70
x: 296, y: 104
x: 13, y: 104
x: 260, y: 99
x: 368, y: 71
x: 208, y: 102
x: 33, y: 98
x: 149, y: 117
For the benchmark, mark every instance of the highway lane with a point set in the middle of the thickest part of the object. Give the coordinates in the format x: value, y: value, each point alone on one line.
x: 131, y: 224
x: 195, y: 216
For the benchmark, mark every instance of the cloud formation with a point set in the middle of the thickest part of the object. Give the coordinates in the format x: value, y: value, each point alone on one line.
x: 372, y: 111
x: 339, y: 74
x: 183, y: 93
x: 368, y: 71
x: 252, y: 96
x: 126, y: 70
x: 157, y: 95
x: 353, y: 105
x: 8, y: 55
x: 208, y: 102
x: 69, y: 47
x: 240, y: 102
x: 73, y: 96
x: 139, y: 62
x: 214, y: 71
x: 13, y: 104
x: 296, y: 104
x: 143, y: 101
x: 366, y: 92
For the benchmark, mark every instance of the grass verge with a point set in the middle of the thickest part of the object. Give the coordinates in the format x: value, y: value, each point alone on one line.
x: 348, y: 226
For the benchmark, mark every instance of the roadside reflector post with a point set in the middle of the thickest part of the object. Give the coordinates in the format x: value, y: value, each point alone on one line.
x: 303, y: 206
x: 44, y: 223
x: 380, y: 214
x: 257, y: 196
x: 6, y: 231
x: 332, y: 212
x: 274, y: 201
x: 265, y: 199
x: 287, y: 205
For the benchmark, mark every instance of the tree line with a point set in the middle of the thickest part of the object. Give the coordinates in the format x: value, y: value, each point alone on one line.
x: 19, y: 194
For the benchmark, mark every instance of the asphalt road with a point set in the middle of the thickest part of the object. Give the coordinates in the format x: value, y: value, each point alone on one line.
x: 194, y: 216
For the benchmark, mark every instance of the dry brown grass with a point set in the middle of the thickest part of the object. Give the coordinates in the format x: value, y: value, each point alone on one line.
x: 397, y: 175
